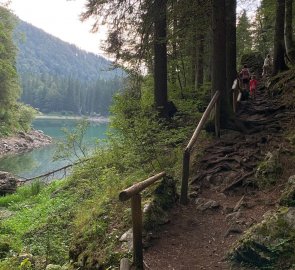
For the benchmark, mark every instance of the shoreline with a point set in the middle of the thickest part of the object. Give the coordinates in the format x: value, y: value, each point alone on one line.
x: 99, y: 119
x: 23, y: 141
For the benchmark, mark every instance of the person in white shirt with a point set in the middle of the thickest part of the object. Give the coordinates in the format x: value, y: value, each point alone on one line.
x: 267, y: 66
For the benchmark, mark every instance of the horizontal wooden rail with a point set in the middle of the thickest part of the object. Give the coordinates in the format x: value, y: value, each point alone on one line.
x: 203, y: 120
x: 186, y: 155
x: 138, y: 187
x: 133, y: 193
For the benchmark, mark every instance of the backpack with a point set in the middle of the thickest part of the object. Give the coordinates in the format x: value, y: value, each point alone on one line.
x: 245, y: 73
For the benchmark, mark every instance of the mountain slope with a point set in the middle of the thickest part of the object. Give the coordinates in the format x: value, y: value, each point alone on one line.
x: 40, y: 52
x: 59, y: 77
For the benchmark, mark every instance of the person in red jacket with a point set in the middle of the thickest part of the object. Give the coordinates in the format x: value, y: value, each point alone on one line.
x: 253, y: 86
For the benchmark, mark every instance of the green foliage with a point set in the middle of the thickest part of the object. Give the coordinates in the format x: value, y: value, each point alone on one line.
x: 244, y: 38
x: 25, y: 265
x: 26, y: 115
x: 264, y: 27
x: 72, y: 145
x: 268, y: 170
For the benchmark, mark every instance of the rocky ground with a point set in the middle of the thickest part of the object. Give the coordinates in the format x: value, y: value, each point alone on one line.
x: 239, y: 178
x: 22, y: 142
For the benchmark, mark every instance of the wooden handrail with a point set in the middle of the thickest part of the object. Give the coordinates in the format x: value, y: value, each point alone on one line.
x: 138, y: 187
x: 133, y: 193
x: 187, y: 150
x: 203, y: 120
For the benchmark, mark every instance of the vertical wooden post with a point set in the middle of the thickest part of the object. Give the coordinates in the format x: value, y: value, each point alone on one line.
x: 185, y: 176
x: 137, y: 231
x: 234, y: 101
x: 124, y: 264
x: 217, y: 118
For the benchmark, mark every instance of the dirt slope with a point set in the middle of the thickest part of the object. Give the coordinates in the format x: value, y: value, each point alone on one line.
x: 226, y: 197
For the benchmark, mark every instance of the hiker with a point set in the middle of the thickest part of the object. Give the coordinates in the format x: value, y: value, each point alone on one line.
x: 245, y: 76
x: 253, y: 86
x: 267, y: 66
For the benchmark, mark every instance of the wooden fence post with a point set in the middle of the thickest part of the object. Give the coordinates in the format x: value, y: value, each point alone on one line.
x: 185, y: 176
x: 137, y: 231
x: 124, y: 264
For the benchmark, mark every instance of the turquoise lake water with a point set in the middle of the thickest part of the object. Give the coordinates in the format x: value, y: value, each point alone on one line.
x: 40, y: 161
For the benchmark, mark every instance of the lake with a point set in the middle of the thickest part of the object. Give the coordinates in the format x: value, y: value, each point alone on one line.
x: 40, y: 161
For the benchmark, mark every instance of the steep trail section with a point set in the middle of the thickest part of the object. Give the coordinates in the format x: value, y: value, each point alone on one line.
x: 225, y: 196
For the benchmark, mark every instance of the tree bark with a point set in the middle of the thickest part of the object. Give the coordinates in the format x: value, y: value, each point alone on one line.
x: 231, y: 48
x: 279, y: 45
x: 194, y: 59
x: 289, y: 42
x: 200, y: 61
x: 174, y: 44
x: 219, y: 59
x: 160, y: 60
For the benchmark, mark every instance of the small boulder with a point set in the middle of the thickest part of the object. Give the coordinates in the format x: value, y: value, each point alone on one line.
x: 270, y: 243
x: 8, y: 183
x: 288, y: 195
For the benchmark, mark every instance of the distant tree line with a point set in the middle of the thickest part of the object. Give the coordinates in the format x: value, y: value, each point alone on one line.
x: 69, y: 95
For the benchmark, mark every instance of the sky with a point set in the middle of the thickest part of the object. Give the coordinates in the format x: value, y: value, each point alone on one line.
x: 60, y: 18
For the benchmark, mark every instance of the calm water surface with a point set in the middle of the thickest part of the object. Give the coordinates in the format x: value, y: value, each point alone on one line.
x: 40, y: 161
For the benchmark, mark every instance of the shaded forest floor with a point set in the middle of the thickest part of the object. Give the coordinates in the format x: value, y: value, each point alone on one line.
x: 226, y: 196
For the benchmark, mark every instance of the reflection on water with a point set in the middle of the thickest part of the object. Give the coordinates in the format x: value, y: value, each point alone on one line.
x: 40, y: 161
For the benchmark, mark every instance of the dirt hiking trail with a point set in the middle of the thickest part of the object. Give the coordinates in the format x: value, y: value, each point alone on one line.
x: 225, y: 198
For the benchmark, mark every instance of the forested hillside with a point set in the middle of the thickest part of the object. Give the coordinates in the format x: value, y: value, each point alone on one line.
x: 59, y: 77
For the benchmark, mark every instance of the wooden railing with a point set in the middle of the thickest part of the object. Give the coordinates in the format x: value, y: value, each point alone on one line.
x: 214, y: 103
x: 133, y: 193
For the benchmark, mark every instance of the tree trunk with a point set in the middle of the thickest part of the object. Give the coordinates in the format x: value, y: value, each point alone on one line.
x: 174, y: 44
x: 231, y: 50
x: 200, y: 61
x: 289, y: 43
x: 219, y: 59
x: 160, y: 61
x: 194, y: 59
x: 279, y: 46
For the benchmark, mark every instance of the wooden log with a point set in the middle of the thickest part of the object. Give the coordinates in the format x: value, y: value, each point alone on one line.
x: 138, y: 187
x: 185, y: 176
x: 203, y: 120
x: 137, y: 231
x: 124, y: 264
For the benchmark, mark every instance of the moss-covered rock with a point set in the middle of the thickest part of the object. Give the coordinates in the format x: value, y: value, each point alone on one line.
x: 288, y: 195
x: 269, y: 244
x: 269, y: 169
x: 163, y: 198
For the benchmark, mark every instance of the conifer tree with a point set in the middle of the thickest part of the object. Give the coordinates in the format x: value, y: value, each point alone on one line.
x: 279, y: 44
